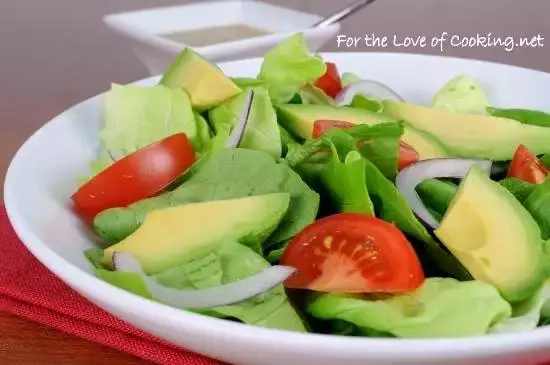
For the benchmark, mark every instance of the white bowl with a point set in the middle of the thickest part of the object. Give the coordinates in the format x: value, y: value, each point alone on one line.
x: 145, y: 27
x: 42, y: 176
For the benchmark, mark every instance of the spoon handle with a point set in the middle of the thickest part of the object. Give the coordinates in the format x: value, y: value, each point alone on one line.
x: 344, y: 13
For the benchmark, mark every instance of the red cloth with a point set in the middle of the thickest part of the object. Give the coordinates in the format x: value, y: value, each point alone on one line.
x: 29, y: 290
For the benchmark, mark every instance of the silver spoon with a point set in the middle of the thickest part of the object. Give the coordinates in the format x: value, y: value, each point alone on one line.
x: 344, y: 13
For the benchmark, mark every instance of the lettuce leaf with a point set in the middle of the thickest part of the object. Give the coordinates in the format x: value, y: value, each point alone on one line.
x: 462, y: 94
x: 345, y: 183
x: 229, y: 263
x: 538, y: 204
x: 526, y: 315
x: 225, y: 174
x: 262, y: 131
x: 524, y: 116
x: 138, y: 116
x: 441, y: 307
x: 288, y: 67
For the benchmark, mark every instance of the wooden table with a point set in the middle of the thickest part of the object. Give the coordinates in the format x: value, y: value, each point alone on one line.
x: 57, y: 52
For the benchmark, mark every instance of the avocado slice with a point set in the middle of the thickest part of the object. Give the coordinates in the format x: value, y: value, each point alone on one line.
x: 472, y: 135
x: 190, y: 230
x: 298, y: 119
x: 494, y: 237
x: 206, y: 85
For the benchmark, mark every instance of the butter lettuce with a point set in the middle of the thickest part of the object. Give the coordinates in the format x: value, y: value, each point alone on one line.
x: 538, y: 205
x: 288, y: 67
x: 231, y: 262
x: 262, y: 131
x: 138, y: 116
x: 441, y: 307
x: 345, y: 183
x: 462, y: 94
x: 527, y: 315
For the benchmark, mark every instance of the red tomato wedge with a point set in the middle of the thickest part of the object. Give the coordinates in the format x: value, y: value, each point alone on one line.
x: 320, y: 127
x: 526, y: 166
x: 352, y: 253
x: 407, y: 154
x: 330, y: 82
x: 137, y: 176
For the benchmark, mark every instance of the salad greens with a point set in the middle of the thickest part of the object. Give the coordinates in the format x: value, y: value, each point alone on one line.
x: 326, y: 201
x: 442, y: 307
x: 289, y: 67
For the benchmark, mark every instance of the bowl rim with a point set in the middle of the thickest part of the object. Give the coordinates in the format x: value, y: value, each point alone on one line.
x: 402, y: 348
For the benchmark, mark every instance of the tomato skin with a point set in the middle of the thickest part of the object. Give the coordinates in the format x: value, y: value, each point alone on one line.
x: 330, y: 82
x: 137, y: 176
x: 407, y: 154
x: 526, y: 166
x: 352, y: 253
x: 320, y: 127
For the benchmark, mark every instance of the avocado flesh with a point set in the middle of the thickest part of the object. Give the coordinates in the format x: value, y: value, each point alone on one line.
x: 206, y: 85
x: 494, y: 237
x: 472, y: 135
x: 298, y: 119
x: 182, y: 232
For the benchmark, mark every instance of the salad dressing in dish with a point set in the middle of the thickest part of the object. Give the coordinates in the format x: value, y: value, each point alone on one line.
x: 214, y: 35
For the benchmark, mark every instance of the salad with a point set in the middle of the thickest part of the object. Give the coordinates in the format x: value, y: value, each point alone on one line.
x: 387, y: 219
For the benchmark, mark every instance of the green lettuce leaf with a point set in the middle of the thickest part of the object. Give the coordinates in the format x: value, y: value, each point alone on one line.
x: 545, y: 160
x: 437, y: 195
x: 524, y: 116
x: 345, y: 183
x: 231, y: 262
x: 262, y: 131
x: 225, y: 174
x: 378, y: 143
x: 138, y: 116
x: 349, y: 78
x: 288, y: 67
x: 526, y: 315
x: 204, y: 134
x: 246, y: 82
x: 538, y: 204
x: 462, y: 94
x: 519, y: 188
x: 440, y: 308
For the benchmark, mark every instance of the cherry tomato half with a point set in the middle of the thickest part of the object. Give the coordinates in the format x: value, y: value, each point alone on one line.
x: 352, y: 253
x: 330, y: 82
x: 407, y: 154
x: 137, y: 176
x: 526, y: 166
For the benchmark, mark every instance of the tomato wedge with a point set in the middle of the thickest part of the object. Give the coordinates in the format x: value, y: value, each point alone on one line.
x: 407, y: 154
x: 320, y: 127
x: 526, y: 166
x: 330, y: 82
x: 352, y: 253
x: 137, y: 176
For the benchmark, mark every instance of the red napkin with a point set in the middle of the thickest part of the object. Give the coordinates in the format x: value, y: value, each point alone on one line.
x: 29, y: 290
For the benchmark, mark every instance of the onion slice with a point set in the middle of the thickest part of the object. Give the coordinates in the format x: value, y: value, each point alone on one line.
x: 369, y: 88
x: 204, y: 298
x: 237, y: 133
x: 411, y: 176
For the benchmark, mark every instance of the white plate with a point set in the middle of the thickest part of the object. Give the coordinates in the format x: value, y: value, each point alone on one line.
x: 42, y: 176
x: 144, y: 28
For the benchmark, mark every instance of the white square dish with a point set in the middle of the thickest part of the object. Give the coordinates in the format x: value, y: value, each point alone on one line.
x: 146, y: 29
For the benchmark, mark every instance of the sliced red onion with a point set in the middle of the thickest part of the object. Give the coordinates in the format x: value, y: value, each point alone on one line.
x: 369, y: 88
x: 204, y: 298
x: 238, y: 131
x: 411, y: 176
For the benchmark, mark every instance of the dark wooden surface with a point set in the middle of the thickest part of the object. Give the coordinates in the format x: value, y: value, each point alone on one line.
x: 55, y: 53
